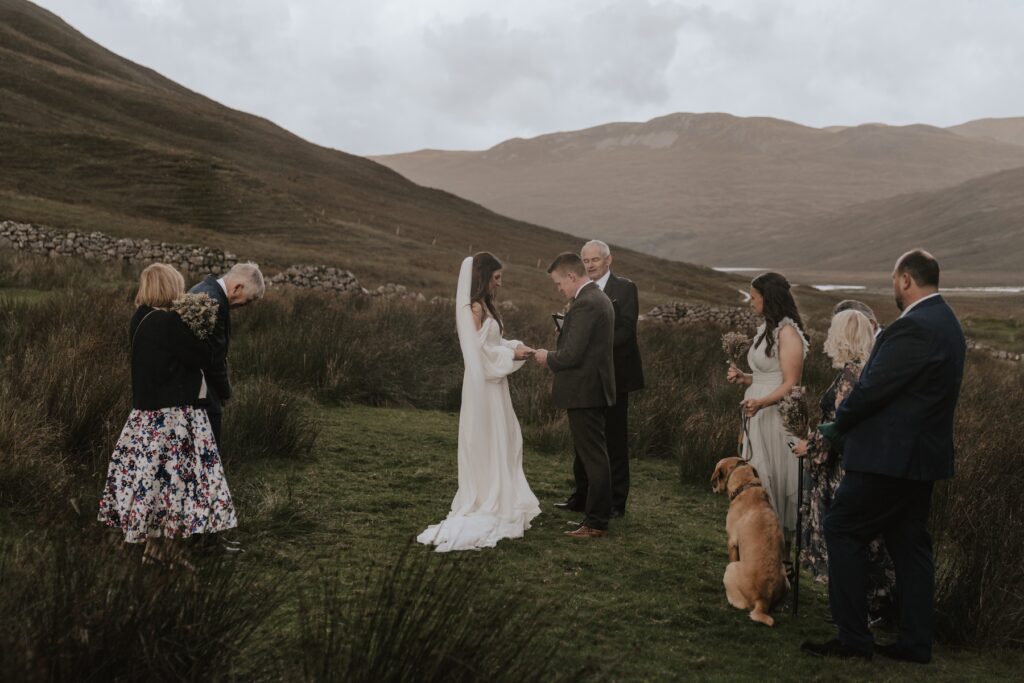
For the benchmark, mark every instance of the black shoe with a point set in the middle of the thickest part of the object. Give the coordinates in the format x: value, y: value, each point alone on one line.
x: 834, y: 648
x: 897, y: 652
x: 573, y: 504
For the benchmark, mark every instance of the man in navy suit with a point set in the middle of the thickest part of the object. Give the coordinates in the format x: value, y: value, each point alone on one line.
x: 240, y: 286
x: 896, y: 427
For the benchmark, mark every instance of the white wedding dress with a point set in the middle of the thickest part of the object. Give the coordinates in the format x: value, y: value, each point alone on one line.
x: 493, y: 501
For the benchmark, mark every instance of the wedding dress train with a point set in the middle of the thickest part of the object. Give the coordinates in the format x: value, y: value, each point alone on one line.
x: 493, y: 501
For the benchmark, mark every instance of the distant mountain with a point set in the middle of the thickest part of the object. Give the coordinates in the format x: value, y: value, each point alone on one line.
x: 698, y: 186
x: 92, y: 141
x: 1010, y: 130
x: 974, y: 227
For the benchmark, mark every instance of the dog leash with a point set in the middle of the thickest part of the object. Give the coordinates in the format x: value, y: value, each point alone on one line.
x: 745, y: 421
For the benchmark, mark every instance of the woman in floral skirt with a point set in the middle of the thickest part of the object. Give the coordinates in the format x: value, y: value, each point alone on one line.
x: 165, y: 479
x: 851, y: 337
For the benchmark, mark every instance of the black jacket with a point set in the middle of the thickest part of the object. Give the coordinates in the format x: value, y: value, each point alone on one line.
x: 218, y: 383
x: 898, y: 420
x: 629, y: 369
x: 583, y: 364
x: 166, y: 360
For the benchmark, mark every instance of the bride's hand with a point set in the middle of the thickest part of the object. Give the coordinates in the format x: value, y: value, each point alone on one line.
x: 800, y: 448
x: 523, y: 352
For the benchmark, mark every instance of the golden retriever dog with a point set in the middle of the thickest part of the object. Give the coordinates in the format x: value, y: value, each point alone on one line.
x: 755, y: 579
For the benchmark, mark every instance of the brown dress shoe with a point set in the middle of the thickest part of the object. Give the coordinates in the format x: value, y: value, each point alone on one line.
x: 587, y: 532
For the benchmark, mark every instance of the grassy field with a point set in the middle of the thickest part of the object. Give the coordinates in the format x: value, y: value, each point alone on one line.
x: 326, y: 524
x: 648, y: 601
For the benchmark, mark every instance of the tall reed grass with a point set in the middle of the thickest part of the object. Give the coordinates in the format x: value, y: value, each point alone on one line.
x: 64, y: 391
x: 426, y: 621
x: 73, y: 608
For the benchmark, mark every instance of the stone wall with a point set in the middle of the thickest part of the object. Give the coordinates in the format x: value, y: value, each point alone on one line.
x: 686, y: 313
x: 99, y: 246
x: 324, y: 278
x: 995, y: 353
x: 201, y: 260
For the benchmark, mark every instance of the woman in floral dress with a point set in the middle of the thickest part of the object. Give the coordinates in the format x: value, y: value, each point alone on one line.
x: 165, y: 479
x: 849, y: 343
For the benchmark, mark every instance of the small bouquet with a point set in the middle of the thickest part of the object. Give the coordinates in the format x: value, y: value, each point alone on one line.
x: 795, y: 413
x: 198, y: 311
x: 735, y: 345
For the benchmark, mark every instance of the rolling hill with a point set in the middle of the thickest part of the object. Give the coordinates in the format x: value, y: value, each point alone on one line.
x: 706, y: 187
x: 978, y: 226
x: 1008, y: 130
x: 92, y: 141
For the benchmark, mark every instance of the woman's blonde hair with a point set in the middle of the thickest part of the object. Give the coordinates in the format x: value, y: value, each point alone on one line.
x: 850, y: 338
x: 159, y: 285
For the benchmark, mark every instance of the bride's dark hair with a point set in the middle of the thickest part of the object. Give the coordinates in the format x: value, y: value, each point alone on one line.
x: 485, y: 265
x: 778, y: 304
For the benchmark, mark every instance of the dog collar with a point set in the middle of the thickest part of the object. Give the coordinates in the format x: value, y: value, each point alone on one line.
x: 745, y: 487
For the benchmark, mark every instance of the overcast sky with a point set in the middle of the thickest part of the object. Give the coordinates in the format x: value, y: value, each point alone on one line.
x: 380, y: 76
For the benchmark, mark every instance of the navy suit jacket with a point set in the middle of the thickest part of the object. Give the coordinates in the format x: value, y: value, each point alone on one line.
x: 217, y: 383
x: 898, y: 420
x: 629, y: 370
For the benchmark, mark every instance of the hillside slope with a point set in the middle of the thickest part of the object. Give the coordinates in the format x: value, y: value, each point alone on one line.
x: 694, y: 185
x: 1008, y: 130
x: 974, y: 227
x: 91, y: 141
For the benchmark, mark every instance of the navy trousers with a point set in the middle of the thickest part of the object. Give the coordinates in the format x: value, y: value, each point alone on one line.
x: 865, y: 506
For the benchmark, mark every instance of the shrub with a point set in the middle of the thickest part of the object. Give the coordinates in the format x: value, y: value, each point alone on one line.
x: 31, y: 271
x: 65, y: 386
x: 351, y: 349
x: 33, y: 471
x: 426, y: 620
x: 978, y: 517
x: 263, y: 420
x: 72, y: 611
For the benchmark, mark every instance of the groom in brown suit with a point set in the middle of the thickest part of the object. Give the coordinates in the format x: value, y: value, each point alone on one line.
x: 584, y: 382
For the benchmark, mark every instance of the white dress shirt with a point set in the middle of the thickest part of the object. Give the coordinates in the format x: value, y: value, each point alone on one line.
x: 909, y: 308
x: 601, y: 282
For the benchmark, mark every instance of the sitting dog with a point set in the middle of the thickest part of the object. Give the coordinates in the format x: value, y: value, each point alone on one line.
x: 755, y: 579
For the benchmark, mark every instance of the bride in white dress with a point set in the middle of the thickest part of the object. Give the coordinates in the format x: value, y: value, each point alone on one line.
x: 493, y: 501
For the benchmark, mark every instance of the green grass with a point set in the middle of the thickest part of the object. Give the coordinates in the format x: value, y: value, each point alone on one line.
x: 644, y: 604
x: 999, y: 333
x: 24, y: 294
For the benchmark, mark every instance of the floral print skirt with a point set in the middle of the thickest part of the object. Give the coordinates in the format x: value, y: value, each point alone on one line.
x: 165, y: 478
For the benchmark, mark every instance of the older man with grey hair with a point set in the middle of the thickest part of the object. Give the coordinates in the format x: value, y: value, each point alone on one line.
x: 629, y: 377
x: 240, y: 286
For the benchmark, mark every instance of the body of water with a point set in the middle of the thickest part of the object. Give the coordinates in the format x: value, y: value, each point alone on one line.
x: 945, y: 290
x: 839, y: 288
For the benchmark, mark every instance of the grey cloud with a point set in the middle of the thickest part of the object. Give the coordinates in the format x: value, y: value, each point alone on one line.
x: 396, y: 75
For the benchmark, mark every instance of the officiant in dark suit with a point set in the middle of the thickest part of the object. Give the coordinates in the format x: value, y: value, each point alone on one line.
x: 629, y: 377
x: 240, y: 286
x: 584, y: 382
x: 895, y: 430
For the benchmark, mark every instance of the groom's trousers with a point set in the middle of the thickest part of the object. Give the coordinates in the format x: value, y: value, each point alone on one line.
x: 588, y: 436
x: 617, y: 443
x: 866, y: 505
